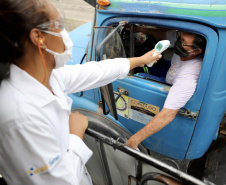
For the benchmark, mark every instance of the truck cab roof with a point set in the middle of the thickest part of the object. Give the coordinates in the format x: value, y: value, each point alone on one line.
x: 208, y: 12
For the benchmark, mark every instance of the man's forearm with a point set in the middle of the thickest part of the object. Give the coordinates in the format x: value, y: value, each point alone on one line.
x: 157, y: 123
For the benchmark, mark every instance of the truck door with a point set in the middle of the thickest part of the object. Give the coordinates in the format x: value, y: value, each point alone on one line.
x: 141, y: 99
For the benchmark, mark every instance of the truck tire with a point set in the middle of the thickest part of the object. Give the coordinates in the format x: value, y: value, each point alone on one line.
x: 108, y: 166
x: 215, y: 167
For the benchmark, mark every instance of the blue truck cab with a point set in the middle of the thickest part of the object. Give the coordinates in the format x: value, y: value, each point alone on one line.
x: 138, y: 98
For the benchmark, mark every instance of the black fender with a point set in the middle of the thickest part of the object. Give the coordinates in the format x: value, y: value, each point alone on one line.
x: 215, y: 166
x: 108, y: 130
x: 104, y: 125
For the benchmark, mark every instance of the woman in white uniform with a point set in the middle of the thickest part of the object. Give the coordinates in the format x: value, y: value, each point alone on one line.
x: 40, y: 139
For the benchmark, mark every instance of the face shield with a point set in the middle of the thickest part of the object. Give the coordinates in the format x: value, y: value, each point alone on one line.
x: 58, y: 24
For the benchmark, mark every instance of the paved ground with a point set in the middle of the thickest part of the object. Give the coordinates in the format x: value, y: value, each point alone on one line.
x: 77, y: 12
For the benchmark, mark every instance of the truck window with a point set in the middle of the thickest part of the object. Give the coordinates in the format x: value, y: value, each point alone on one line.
x: 134, y: 41
x: 145, y: 37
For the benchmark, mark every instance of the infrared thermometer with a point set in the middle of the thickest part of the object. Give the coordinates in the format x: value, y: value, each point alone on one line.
x: 159, y: 48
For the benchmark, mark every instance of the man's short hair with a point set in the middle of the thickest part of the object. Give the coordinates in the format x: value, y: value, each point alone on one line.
x: 200, y: 42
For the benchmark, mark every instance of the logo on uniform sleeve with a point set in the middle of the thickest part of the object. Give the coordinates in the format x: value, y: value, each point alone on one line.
x: 32, y: 171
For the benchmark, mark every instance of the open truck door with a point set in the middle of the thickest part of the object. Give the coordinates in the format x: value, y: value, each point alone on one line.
x: 145, y: 97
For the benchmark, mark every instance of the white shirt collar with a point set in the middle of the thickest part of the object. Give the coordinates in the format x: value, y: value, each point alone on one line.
x: 29, y: 86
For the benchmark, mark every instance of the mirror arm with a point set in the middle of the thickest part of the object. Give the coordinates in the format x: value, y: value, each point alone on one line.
x: 104, y: 107
x: 131, y: 45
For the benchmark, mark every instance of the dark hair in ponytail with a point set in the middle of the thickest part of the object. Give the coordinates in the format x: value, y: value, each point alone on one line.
x: 17, y: 19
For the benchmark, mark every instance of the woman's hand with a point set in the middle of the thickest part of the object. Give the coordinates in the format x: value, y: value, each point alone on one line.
x: 144, y: 59
x: 148, y: 57
x: 78, y: 124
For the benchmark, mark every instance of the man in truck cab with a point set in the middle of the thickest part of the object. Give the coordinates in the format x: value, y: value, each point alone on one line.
x: 182, y: 75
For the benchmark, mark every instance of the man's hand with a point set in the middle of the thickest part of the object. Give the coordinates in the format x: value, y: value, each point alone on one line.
x: 132, y: 142
x: 78, y: 124
x: 144, y: 59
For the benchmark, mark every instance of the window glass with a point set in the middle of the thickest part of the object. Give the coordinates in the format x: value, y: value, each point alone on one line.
x: 113, y: 47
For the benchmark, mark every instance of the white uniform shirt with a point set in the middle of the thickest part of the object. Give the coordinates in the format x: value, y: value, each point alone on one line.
x: 36, y: 147
x: 183, y: 75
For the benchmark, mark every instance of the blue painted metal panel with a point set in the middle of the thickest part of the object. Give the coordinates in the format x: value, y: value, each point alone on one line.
x: 80, y: 38
x: 77, y: 55
x: 81, y: 35
x: 83, y: 103
x: 209, y: 11
x: 214, y: 104
x: 87, y: 104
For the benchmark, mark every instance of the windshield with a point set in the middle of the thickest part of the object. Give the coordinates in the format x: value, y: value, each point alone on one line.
x: 113, y: 47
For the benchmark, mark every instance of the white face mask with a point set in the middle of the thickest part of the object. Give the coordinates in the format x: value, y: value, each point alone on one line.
x: 61, y: 58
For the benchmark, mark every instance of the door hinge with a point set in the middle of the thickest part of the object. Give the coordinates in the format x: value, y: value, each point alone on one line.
x: 187, y: 113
